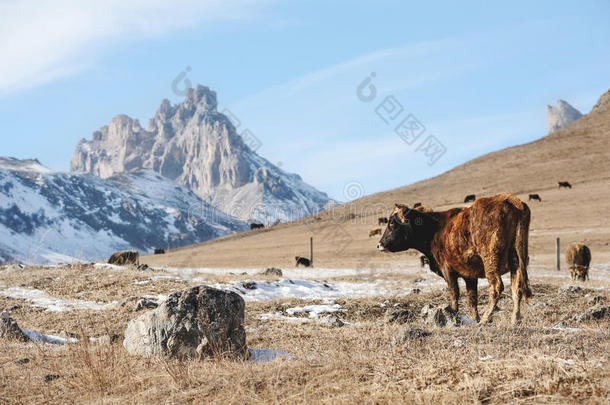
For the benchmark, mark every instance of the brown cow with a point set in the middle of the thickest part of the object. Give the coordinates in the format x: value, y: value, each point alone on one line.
x: 578, y: 257
x: 485, y: 240
x: 125, y: 257
x: 564, y: 184
x: 374, y: 231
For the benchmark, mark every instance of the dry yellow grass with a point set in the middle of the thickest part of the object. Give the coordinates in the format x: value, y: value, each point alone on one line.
x: 359, y: 363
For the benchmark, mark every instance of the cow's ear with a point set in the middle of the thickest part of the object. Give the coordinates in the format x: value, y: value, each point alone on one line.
x: 401, y: 215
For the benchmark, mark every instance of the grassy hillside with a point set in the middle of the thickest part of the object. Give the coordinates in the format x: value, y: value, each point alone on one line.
x: 578, y: 153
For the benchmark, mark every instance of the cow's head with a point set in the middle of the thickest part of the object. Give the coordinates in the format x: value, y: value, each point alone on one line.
x: 407, y: 228
x: 580, y: 272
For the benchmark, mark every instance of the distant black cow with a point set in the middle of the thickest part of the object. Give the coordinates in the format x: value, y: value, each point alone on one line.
x: 125, y: 257
x: 382, y: 220
x: 417, y: 204
x: 256, y: 225
x: 424, y: 260
x: 302, y: 260
x: 470, y: 197
x: 534, y: 197
x: 564, y: 184
x: 159, y: 251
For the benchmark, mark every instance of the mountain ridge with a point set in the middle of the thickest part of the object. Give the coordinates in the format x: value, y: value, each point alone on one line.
x: 48, y: 217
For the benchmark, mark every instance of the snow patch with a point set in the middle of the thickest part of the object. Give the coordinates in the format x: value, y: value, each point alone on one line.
x: 40, y: 299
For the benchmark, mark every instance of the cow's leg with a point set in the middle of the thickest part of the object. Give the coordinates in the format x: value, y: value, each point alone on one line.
x: 454, y: 291
x: 492, y: 273
x: 471, y: 293
x: 517, y: 295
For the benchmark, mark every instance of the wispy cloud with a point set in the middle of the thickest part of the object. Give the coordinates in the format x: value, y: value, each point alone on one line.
x: 42, y: 40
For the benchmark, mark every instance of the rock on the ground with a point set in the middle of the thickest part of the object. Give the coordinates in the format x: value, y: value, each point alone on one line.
x: 406, y: 334
x: 398, y: 315
x: 570, y: 289
x: 330, y: 321
x: 9, y: 329
x: 145, y: 304
x: 439, y: 316
x: 598, y: 299
x: 199, y: 322
x: 595, y: 313
x: 273, y: 271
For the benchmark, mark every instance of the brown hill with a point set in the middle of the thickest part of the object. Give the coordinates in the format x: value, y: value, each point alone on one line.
x: 578, y: 153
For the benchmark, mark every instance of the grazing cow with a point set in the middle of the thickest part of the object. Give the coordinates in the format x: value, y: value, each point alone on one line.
x: 470, y: 197
x: 564, y: 184
x: 578, y: 257
x: 417, y: 204
x: 125, y: 257
x: 485, y: 240
x: 256, y: 225
x: 159, y: 251
x: 302, y: 260
x: 424, y: 260
x: 534, y: 197
x: 374, y: 231
x: 382, y: 220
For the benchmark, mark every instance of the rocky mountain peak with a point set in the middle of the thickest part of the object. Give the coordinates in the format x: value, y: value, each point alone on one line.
x: 194, y: 145
x: 560, y: 116
x: 202, y: 97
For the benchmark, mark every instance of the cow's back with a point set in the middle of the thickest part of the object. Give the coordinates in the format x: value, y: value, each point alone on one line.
x: 578, y: 254
x: 470, y: 234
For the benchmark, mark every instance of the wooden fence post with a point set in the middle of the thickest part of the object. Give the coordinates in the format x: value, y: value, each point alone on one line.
x: 557, y: 255
x: 311, y: 250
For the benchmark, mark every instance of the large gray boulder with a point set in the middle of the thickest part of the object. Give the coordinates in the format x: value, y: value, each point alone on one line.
x: 199, y: 322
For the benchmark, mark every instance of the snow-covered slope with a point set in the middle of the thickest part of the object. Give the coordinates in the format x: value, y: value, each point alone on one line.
x: 198, y: 147
x: 47, y: 216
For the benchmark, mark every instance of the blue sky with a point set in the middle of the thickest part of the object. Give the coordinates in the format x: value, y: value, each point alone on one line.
x: 476, y: 76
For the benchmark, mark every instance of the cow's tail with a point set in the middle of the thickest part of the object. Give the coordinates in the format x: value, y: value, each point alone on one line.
x: 521, y: 244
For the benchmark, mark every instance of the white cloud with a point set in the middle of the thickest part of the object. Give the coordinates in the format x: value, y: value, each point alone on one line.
x: 42, y: 40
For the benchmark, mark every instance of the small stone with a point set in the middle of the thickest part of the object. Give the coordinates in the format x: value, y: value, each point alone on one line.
x: 330, y: 321
x: 398, y: 315
x: 107, y: 339
x: 143, y: 267
x: 50, y: 377
x: 458, y: 343
x: 145, y: 304
x: 10, y: 329
x: 23, y: 360
x: 249, y: 285
x: 598, y: 299
x: 273, y: 271
x: 407, y: 334
x: 570, y: 289
x: 593, y: 314
x: 439, y: 316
